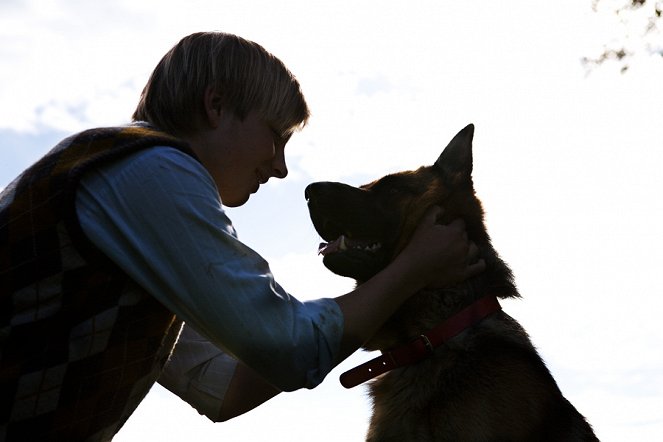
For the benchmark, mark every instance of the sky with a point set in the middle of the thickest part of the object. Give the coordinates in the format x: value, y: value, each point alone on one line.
x: 567, y: 163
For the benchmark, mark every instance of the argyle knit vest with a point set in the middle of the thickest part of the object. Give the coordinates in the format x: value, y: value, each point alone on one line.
x: 80, y: 343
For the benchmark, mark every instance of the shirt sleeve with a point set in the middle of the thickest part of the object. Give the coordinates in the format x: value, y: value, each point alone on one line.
x: 157, y: 214
x: 199, y: 372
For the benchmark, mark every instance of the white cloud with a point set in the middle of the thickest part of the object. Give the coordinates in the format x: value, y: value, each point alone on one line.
x: 67, y: 65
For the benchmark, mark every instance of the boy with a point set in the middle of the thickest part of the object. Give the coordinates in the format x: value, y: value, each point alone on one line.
x: 118, y: 237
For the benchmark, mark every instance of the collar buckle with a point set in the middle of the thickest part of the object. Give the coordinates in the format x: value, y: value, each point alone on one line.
x: 427, y: 344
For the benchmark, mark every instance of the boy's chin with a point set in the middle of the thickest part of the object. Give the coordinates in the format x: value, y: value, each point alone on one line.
x: 235, y: 200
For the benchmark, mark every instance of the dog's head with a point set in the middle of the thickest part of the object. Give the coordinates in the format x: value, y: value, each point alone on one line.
x: 365, y: 227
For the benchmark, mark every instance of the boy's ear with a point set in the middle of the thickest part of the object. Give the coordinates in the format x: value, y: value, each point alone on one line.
x: 212, y: 103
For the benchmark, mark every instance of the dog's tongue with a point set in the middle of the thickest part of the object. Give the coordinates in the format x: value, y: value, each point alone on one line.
x: 331, y: 247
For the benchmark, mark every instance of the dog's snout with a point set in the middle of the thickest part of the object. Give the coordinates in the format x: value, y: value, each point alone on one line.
x: 313, y: 190
x: 307, y: 192
x: 325, y: 192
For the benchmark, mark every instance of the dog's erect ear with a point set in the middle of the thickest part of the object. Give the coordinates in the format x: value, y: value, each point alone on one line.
x: 456, y: 159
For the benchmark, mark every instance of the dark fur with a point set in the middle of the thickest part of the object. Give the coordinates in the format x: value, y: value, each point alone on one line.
x: 486, y: 384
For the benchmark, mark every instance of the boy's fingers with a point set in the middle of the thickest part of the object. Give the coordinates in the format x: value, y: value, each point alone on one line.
x: 433, y: 214
x: 458, y: 223
x: 472, y: 253
x: 475, y: 269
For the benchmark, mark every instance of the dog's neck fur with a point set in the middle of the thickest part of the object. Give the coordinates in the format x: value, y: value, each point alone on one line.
x: 430, y: 307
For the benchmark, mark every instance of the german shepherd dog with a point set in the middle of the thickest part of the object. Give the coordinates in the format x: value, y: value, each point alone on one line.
x: 483, y: 380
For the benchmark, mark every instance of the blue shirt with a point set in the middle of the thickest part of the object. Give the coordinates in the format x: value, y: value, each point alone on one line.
x: 157, y: 214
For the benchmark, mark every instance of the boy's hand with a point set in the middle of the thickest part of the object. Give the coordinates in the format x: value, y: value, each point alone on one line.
x: 442, y: 255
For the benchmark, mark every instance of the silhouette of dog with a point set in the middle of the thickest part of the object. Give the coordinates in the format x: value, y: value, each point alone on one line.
x: 454, y: 367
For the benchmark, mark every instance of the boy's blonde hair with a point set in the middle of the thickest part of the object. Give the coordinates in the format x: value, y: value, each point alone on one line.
x: 247, y: 77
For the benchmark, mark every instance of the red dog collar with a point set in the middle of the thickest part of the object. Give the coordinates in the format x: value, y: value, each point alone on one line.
x: 423, y: 346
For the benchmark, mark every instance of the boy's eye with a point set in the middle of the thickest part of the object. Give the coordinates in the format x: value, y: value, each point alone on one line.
x: 279, y: 138
x: 275, y: 133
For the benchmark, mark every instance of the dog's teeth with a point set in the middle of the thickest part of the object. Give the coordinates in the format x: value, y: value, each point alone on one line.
x: 341, y: 245
x: 371, y: 247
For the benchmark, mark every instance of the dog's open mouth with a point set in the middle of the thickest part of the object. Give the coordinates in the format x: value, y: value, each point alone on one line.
x: 355, y: 258
x: 344, y: 244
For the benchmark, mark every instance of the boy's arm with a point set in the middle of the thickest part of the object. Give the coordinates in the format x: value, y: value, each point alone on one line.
x: 246, y: 391
x: 367, y: 307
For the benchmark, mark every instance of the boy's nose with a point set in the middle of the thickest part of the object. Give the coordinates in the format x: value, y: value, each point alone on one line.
x: 279, y: 167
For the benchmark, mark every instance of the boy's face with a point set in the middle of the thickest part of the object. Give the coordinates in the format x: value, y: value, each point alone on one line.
x: 242, y: 155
